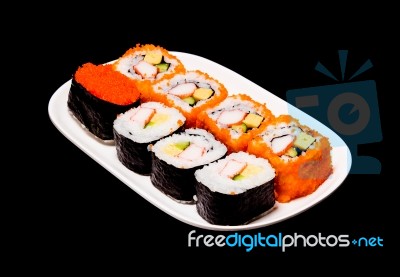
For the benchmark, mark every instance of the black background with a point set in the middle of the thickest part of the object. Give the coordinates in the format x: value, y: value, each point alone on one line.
x: 83, y: 215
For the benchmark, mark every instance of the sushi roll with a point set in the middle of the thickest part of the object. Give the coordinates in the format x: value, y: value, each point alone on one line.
x: 190, y: 92
x: 97, y: 95
x: 235, y: 121
x: 147, y: 63
x: 301, y: 156
x: 177, y: 157
x: 235, y: 190
x: 138, y: 127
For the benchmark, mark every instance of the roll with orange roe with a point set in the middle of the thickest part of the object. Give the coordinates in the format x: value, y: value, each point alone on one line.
x: 190, y: 92
x: 300, y: 155
x: 235, y: 120
x: 97, y: 95
x: 145, y: 64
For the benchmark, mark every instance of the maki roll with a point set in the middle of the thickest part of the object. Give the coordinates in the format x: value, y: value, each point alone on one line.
x: 235, y: 190
x: 97, y: 94
x: 235, y: 121
x: 177, y: 157
x: 190, y: 92
x: 138, y: 127
x: 147, y: 63
x: 301, y: 156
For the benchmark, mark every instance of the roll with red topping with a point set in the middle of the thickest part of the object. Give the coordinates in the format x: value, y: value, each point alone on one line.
x: 97, y: 95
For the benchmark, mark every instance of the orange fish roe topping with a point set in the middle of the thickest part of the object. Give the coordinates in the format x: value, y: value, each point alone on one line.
x: 147, y: 48
x: 107, y: 84
x: 144, y: 47
x: 299, y: 176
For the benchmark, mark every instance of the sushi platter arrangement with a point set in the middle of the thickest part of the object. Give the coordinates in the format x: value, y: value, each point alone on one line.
x: 199, y: 141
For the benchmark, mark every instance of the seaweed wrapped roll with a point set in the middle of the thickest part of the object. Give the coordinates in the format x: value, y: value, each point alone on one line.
x: 235, y: 190
x: 138, y: 127
x: 177, y: 157
x: 97, y: 95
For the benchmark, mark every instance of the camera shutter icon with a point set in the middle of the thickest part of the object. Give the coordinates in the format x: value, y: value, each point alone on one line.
x: 359, y: 104
x: 350, y: 109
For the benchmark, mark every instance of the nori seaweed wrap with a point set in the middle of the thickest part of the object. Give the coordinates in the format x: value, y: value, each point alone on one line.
x: 235, y: 190
x: 178, y: 183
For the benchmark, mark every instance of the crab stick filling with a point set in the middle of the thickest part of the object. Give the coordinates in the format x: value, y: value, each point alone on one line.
x: 230, y: 118
x: 288, y: 140
x: 142, y: 116
x: 148, y: 117
x: 192, y: 152
x: 190, y: 93
x: 151, y: 64
x: 183, y: 90
x: 281, y: 144
x: 185, y: 150
x: 232, y: 168
x: 145, y: 70
x: 239, y: 121
x: 238, y: 170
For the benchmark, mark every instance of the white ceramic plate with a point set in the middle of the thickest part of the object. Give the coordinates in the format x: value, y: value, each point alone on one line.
x: 105, y: 154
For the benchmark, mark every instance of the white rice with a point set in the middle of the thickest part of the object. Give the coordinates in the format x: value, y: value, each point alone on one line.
x: 232, y: 103
x: 132, y: 130
x: 214, y: 148
x: 125, y: 64
x: 210, y: 176
x: 199, y: 79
